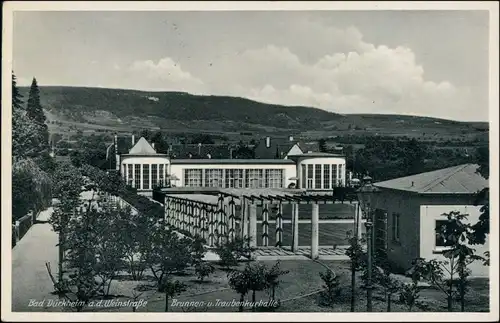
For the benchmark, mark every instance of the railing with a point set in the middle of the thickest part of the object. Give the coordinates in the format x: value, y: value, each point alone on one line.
x: 21, y: 226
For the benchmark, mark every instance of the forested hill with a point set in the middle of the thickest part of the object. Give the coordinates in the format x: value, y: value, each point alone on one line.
x: 178, y: 110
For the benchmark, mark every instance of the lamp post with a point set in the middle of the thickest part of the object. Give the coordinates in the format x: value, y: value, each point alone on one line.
x: 365, y: 196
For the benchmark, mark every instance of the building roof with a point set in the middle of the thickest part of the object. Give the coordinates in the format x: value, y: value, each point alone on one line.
x: 308, y: 146
x: 461, y: 179
x: 317, y: 154
x: 216, y: 151
x: 142, y: 147
x: 278, y: 148
x: 232, y: 161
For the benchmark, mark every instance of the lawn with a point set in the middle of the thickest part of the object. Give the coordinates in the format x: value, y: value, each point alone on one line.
x: 330, y: 234
x: 326, y: 211
x: 303, y: 278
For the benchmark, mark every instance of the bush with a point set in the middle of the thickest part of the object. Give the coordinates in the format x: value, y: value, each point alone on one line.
x: 332, y: 289
x: 203, y: 269
x: 231, y: 251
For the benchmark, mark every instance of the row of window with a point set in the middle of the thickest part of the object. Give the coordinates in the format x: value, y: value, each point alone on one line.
x: 132, y: 175
x: 237, y: 178
x: 319, y: 176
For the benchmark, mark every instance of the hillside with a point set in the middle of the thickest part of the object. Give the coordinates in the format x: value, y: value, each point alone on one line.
x: 125, y: 110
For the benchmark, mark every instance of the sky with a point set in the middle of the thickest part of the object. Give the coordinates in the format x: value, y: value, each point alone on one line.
x: 428, y: 63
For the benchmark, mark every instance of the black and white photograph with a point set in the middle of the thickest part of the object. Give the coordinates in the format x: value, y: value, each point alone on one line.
x: 250, y: 161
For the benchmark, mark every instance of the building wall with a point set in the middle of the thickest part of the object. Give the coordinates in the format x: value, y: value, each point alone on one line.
x: 288, y: 170
x: 126, y: 161
x: 428, y: 249
x: 405, y: 205
x: 417, y: 216
x: 339, y: 180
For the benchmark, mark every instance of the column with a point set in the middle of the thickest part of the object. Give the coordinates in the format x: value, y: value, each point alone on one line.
x: 244, y: 219
x: 203, y: 221
x: 279, y: 226
x: 211, y: 225
x: 141, y: 176
x: 165, y: 203
x: 179, y: 215
x: 265, y: 224
x: 295, y: 229
x: 133, y: 175
x: 184, y: 215
x: 231, y: 218
x: 314, y: 231
x: 158, y: 174
x: 126, y: 173
x: 150, y: 170
x: 322, y: 171
x: 252, y: 213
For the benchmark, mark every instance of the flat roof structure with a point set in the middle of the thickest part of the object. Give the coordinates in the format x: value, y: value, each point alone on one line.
x: 253, y: 195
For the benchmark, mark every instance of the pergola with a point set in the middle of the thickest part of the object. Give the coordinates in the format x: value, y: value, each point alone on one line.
x: 211, y: 213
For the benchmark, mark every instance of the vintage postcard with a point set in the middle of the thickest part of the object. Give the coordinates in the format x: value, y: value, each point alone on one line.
x: 250, y: 161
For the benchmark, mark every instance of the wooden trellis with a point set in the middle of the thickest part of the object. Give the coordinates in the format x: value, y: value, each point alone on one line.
x: 211, y: 213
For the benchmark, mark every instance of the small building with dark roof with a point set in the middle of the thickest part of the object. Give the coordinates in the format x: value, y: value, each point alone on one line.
x: 408, y: 210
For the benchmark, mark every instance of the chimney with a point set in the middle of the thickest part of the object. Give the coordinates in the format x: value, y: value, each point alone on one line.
x: 133, y: 140
x: 268, y: 142
x: 290, y: 138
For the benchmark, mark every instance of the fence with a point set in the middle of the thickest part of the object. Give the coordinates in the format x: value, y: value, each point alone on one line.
x: 21, y: 226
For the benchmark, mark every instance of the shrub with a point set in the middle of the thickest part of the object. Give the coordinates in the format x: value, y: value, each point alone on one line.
x: 231, y: 251
x: 332, y: 289
x: 203, y: 269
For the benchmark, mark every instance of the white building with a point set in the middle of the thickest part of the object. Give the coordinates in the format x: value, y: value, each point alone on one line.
x: 143, y: 168
x: 409, y: 209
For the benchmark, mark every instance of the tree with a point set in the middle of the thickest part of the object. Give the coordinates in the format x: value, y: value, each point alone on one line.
x: 410, y: 292
x: 30, y: 133
x: 108, y: 248
x: 358, y: 257
x: 240, y: 283
x: 481, y: 229
x: 31, y: 188
x: 34, y: 108
x: 136, y: 228
x: 242, y: 151
x: 322, y: 146
x: 202, y: 268
x: 256, y: 275
x: 17, y: 102
x: 331, y: 287
x: 384, y: 278
x: 171, y: 288
x: 455, y: 233
x: 67, y: 186
x: 443, y: 274
x: 168, y: 253
x: 231, y: 251
x: 161, y: 145
x: 272, y: 278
